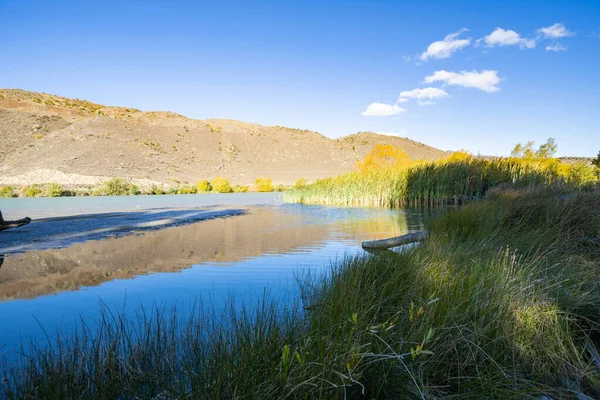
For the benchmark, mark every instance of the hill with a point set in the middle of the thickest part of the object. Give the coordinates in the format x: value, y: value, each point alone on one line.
x: 48, y: 138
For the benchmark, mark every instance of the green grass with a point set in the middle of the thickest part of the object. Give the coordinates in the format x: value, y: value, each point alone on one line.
x: 501, y: 301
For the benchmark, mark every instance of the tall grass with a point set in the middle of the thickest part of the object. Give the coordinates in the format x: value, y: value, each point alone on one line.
x: 501, y: 302
x: 450, y: 180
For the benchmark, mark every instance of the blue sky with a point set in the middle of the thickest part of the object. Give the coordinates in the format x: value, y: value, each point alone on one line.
x: 321, y: 65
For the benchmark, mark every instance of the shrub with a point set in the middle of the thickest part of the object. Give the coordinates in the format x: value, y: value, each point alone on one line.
x: 301, y: 183
x: 582, y: 173
x: 221, y: 185
x: 31, y: 191
x: 154, y: 189
x: 7, y: 192
x: 264, y: 185
x: 187, y: 190
x: 280, y: 188
x: 203, y: 186
x: 173, y: 190
x: 134, y: 190
x: 240, y: 189
x: 54, y: 190
x: 116, y: 187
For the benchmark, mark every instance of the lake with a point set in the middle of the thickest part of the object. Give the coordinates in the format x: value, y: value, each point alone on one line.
x: 145, y: 251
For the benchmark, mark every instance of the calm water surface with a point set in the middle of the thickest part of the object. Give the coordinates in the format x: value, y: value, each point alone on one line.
x: 165, y: 251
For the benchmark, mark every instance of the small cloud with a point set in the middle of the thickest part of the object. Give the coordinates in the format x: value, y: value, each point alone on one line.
x: 501, y: 37
x: 485, y: 80
x: 382, y: 110
x: 402, y: 132
x: 424, y: 96
x: 556, y: 47
x: 555, y: 31
x: 407, y: 59
x: 445, y: 48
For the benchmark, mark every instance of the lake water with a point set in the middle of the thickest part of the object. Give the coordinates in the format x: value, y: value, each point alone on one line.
x: 146, y: 251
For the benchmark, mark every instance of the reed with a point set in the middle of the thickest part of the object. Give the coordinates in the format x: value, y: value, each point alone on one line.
x: 453, y: 180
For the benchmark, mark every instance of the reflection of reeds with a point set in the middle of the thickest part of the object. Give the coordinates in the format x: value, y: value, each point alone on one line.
x: 439, y: 182
x: 501, y: 301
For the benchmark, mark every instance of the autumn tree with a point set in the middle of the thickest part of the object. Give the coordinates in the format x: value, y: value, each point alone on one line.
x: 384, y: 156
x: 547, y: 150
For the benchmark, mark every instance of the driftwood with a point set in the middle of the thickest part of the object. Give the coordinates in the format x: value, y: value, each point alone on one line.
x: 12, y: 224
x: 395, y: 241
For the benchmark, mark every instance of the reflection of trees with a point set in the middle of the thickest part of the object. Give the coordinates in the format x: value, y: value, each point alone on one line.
x: 227, y: 240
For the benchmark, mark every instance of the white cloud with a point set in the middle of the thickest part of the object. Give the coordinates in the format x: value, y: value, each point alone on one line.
x: 382, y: 110
x: 399, y: 133
x: 501, y: 37
x: 445, y: 48
x: 485, y: 80
x: 556, y: 47
x: 555, y: 31
x: 424, y: 96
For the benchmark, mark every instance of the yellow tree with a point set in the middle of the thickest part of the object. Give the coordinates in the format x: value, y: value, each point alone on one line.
x: 384, y: 156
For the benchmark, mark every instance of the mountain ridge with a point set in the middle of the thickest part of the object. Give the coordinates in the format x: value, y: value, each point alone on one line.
x: 43, y: 132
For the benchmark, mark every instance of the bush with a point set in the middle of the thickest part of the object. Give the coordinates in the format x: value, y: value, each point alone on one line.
x: 156, y: 190
x: 264, y: 185
x: 301, y: 183
x: 221, y: 185
x: 7, y: 192
x: 134, y: 190
x: 187, y: 190
x: 31, y: 191
x: 116, y: 187
x: 203, y: 186
x: 240, y: 189
x: 582, y: 173
x: 54, y: 190
x: 280, y: 188
x: 173, y: 190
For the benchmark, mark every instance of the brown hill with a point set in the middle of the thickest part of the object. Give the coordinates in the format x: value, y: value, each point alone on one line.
x: 46, y: 138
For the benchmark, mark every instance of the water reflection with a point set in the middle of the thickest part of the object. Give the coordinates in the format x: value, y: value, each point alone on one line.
x: 239, y: 257
x: 263, y: 230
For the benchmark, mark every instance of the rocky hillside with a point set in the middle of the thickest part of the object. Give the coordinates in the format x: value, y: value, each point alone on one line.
x: 47, y: 138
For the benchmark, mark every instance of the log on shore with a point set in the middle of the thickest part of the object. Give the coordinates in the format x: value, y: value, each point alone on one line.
x: 395, y: 241
x: 12, y: 224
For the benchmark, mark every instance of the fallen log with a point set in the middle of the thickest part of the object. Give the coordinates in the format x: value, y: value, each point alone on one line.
x: 395, y: 241
x: 12, y: 224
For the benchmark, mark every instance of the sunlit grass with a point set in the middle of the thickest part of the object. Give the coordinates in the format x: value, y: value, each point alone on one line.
x: 454, y: 180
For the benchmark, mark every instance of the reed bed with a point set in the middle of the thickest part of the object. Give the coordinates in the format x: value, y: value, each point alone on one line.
x: 449, y: 181
x: 501, y: 302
